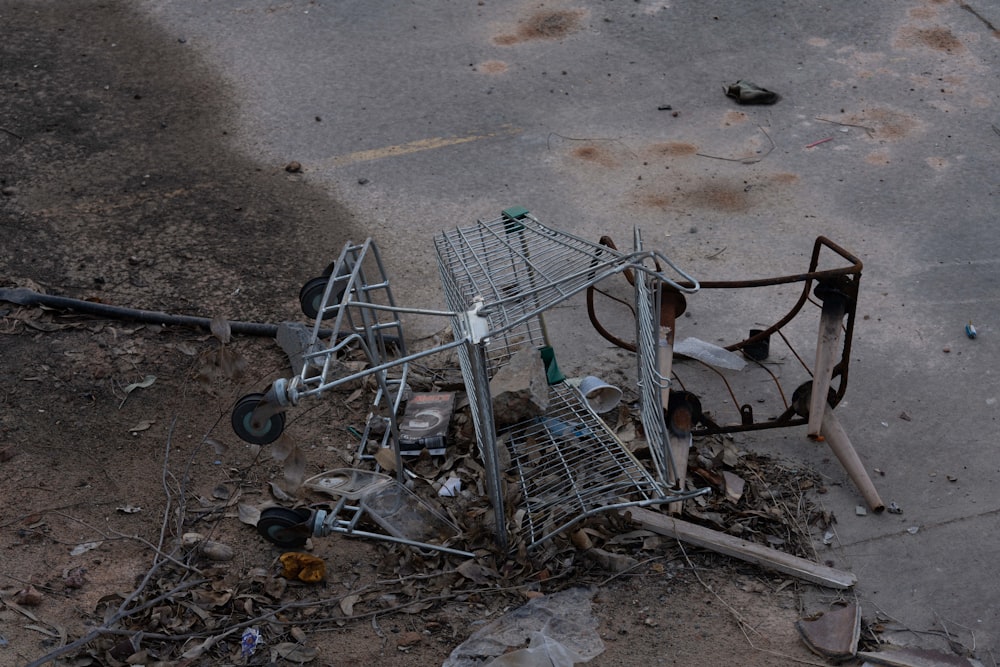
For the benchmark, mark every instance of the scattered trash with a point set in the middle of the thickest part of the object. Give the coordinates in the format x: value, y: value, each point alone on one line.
x: 905, y: 416
x: 395, y: 508
x: 601, y: 396
x: 249, y: 642
x: 860, y: 510
x: 425, y: 423
x: 893, y: 508
x: 746, y: 92
x: 451, y: 487
x: 128, y: 509
x: 970, y: 330
x: 304, y: 567
x: 828, y: 537
x: 560, y: 629
x: 913, y: 530
x: 710, y: 354
x: 833, y: 634
x: 84, y: 548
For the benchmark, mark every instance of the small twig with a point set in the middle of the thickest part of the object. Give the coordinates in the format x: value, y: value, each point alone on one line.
x: 629, y: 569
x: 716, y: 254
x: 817, y: 143
x: 12, y: 133
x: 744, y: 160
x: 740, y: 622
x: 548, y: 140
x: 736, y: 615
x: 869, y: 130
x: 106, y: 628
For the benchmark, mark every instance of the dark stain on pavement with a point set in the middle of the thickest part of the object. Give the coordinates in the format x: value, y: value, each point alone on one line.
x: 595, y: 155
x: 547, y: 25
x: 121, y: 178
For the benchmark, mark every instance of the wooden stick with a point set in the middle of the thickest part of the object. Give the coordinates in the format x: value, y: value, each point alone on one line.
x: 835, y: 436
x: 733, y: 546
x: 826, y: 358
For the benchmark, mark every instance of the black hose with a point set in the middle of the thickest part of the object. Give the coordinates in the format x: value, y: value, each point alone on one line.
x: 26, y: 297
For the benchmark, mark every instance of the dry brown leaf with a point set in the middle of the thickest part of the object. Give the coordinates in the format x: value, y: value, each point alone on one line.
x: 231, y: 364
x: 275, y: 587
x: 218, y: 447
x: 29, y: 597
x: 294, y: 652
x: 282, y: 447
x: 144, y: 425
x: 295, y: 469
x: 75, y: 577
x: 217, y: 551
x: 472, y: 570
x: 611, y: 561
x: 248, y: 514
x: 347, y: 604
x: 279, y: 493
x: 221, y: 330
x: 211, y: 598
x: 581, y: 540
x: 386, y: 458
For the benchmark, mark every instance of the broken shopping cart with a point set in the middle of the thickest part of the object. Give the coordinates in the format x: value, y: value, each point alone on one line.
x: 499, y: 277
x: 546, y: 474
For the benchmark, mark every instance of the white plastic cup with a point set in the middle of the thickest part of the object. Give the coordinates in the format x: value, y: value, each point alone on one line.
x: 600, y: 395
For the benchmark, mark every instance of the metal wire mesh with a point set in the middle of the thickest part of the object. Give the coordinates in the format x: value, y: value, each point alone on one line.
x: 652, y: 384
x: 569, y: 466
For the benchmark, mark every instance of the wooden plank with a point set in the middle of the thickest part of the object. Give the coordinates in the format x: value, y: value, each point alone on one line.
x: 757, y: 554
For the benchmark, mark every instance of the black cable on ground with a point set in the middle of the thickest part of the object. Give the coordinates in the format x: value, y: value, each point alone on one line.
x: 26, y: 297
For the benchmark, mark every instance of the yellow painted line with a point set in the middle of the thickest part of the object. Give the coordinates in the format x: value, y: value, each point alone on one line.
x: 411, y: 147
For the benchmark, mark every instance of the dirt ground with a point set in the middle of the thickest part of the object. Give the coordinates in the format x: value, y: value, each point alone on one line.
x: 119, y: 186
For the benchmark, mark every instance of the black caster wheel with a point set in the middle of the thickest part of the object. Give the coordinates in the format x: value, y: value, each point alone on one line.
x: 285, y: 527
x: 311, y: 294
x: 263, y: 434
x: 311, y: 298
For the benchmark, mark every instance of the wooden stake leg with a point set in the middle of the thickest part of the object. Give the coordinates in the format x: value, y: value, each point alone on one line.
x: 835, y: 436
x: 826, y: 358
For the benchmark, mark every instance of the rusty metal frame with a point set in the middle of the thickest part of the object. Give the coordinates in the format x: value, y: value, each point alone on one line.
x: 845, y: 280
